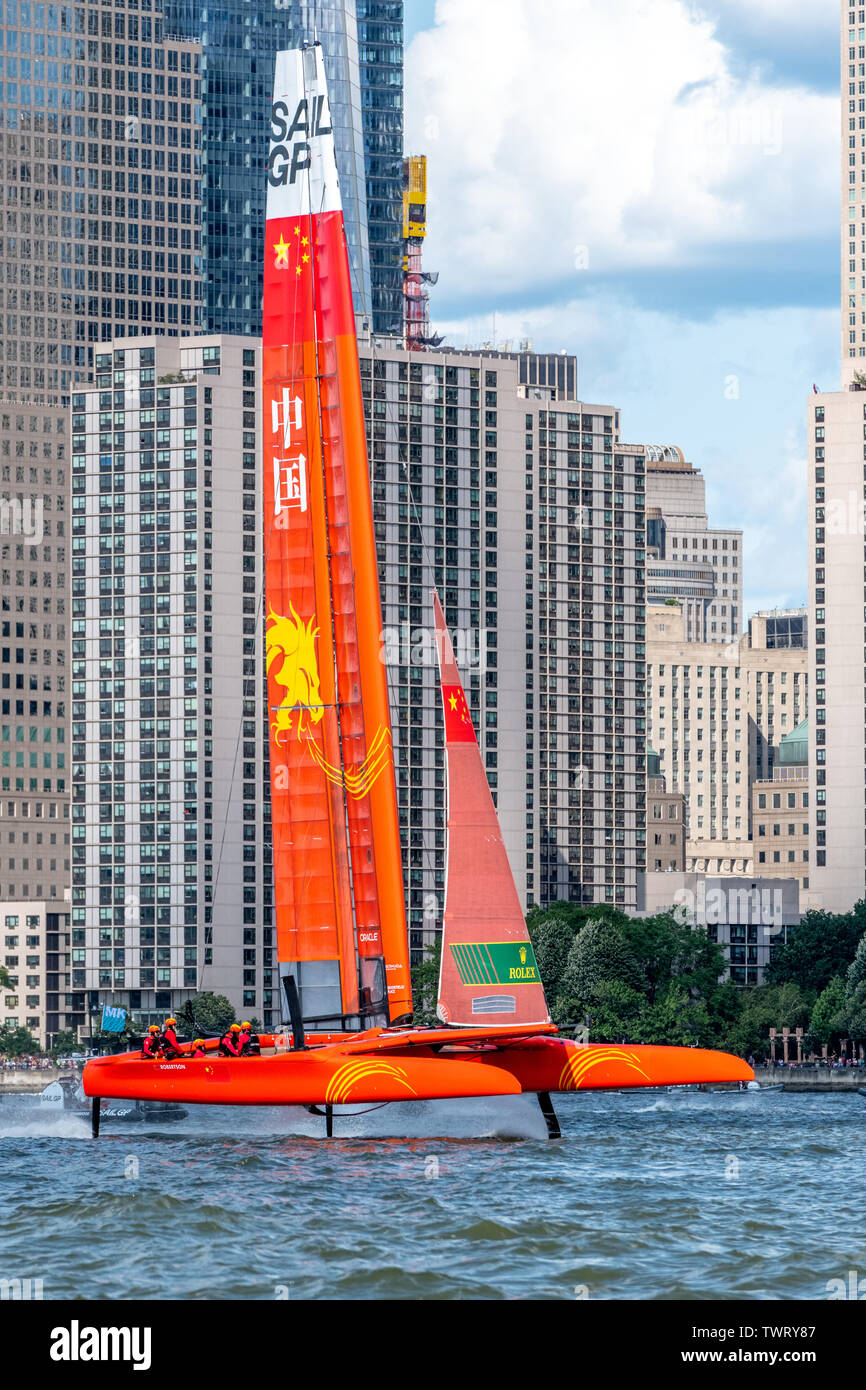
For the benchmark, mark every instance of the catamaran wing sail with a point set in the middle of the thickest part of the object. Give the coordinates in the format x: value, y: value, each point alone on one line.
x: 488, y: 973
x: 341, y: 924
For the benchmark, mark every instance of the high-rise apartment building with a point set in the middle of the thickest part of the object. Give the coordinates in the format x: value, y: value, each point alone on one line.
x: 514, y: 500
x: 836, y: 434
x: 171, y: 860
x: 687, y: 560
x: 717, y: 717
x: 493, y: 482
x: 837, y: 664
x: 365, y: 92
x: 100, y: 168
x: 36, y: 954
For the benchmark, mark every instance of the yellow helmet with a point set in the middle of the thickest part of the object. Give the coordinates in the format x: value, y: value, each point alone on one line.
x: 154, y: 1028
x: 235, y: 1028
x: 246, y: 1025
x: 171, y: 1023
x: 199, y: 1042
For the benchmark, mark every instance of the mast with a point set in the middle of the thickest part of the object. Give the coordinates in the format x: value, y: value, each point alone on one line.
x: 341, y: 926
x: 488, y: 973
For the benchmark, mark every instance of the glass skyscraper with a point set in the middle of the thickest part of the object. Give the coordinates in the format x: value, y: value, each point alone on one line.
x: 238, y: 46
x: 380, y: 46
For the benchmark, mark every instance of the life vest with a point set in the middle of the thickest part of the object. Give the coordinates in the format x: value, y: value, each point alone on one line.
x: 169, y: 1041
x: 228, y: 1044
x: 150, y: 1046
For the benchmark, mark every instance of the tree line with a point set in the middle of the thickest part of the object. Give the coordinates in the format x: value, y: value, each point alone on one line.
x: 659, y: 980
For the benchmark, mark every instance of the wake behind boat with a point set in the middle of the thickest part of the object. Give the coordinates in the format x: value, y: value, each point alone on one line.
x: 342, y: 941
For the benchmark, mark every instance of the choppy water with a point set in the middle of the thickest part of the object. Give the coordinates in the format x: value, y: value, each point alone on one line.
x: 646, y: 1196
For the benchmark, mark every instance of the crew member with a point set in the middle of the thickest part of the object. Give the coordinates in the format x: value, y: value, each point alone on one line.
x: 245, y: 1040
x: 229, y: 1045
x: 198, y: 1048
x: 170, y: 1044
x: 150, y: 1042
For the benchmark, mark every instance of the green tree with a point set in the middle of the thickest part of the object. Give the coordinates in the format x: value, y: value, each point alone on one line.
x: 16, y: 1042
x: 675, y: 1019
x: 763, y: 1008
x: 855, y: 1012
x: 857, y: 969
x: 599, y: 952
x: 599, y: 956
x: 425, y: 986
x: 6, y: 980
x: 821, y: 945
x: 65, y: 1041
x: 207, y: 1013
x: 667, y: 949
x: 552, y: 937
x: 827, y: 1020
x: 614, y: 1014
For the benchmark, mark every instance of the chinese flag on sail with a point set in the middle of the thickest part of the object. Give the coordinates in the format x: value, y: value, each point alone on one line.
x: 458, y: 721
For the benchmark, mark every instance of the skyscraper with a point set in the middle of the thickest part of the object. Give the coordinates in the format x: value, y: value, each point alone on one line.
x: 380, y: 43
x: 238, y: 44
x: 493, y: 482
x: 853, y: 176
x: 100, y: 151
x: 837, y: 560
x: 171, y: 846
x: 688, y: 561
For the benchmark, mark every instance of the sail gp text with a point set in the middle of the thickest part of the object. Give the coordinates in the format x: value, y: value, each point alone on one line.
x: 285, y: 163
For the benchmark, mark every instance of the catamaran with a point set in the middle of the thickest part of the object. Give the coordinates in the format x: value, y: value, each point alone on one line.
x: 342, y: 942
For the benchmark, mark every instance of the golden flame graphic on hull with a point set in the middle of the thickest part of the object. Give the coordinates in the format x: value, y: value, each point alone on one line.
x: 350, y: 1073
x: 298, y: 673
x: 581, y: 1061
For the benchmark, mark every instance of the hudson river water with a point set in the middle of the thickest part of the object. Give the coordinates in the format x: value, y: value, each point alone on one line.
x: 647, y: 1196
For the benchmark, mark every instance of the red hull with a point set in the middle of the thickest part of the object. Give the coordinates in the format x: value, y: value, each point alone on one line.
x: 418, y: 1064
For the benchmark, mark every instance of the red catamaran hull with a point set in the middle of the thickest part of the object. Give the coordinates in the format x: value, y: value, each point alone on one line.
x: 418, y: 1064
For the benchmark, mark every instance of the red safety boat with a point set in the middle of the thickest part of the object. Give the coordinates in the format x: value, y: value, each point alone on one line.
x: 339, y: 899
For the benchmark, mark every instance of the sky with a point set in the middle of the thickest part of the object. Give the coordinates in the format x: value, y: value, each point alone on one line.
x: 652, y: 185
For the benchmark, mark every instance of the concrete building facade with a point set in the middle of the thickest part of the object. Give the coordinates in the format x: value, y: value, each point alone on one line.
x: 688, y: 561
x: 837, y: 598
x: 100, y: 226
x: 493, y: 481
x: 37, y: 955
x: 748, y: 916
x: 171, y: 856
x: 716, y: 717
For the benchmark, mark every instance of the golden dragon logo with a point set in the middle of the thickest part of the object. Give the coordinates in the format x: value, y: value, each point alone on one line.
x: 302, y: 708
x: 295, y: 641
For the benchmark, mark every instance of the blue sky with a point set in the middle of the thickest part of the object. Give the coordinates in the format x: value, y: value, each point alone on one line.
x: 653, y: 185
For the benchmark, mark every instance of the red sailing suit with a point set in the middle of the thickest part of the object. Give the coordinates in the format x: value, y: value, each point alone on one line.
x: 170, y: 1042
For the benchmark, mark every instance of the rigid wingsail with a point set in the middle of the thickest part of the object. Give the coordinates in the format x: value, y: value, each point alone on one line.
x: 339, y: 898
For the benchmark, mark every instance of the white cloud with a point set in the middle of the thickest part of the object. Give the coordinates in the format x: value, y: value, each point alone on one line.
x: 731, y: 391
x: 614, y: 125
